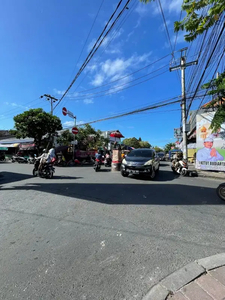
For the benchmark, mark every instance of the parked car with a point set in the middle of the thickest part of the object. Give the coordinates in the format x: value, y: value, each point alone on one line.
x: 140, y: 161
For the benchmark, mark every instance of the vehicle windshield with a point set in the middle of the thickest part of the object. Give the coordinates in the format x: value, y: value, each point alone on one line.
x: 141, y: 153
x: 161, y: 154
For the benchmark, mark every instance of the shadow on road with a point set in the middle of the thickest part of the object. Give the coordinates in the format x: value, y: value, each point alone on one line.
x: 128, y: 194
x: 7, y: 177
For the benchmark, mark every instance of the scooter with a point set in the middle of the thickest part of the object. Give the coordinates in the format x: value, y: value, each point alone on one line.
x: 180, y: 167
x: 19, y: 159
x: 98, y: 163
x: 31, y: 160
x: 47, y: 171
x: 108, y: 162
x: 221, y: 191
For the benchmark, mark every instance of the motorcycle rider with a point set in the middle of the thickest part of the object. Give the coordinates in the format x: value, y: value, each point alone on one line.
x: 98, y: 155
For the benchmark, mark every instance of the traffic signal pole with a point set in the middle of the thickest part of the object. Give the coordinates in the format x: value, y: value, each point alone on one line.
x: 182, y: 66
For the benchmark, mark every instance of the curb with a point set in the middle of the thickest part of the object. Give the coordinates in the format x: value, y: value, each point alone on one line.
x: 175, y: 281
x: 200, y: 174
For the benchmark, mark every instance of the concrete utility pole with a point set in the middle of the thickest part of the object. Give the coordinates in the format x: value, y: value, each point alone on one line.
x: 52, y: 99
x: 182, y: 66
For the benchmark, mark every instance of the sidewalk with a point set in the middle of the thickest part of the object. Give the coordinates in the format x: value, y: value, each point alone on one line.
x: 207, y: 174
x: 203, y: 279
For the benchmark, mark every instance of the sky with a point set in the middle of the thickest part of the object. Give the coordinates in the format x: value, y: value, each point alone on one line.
x: 43, y: 44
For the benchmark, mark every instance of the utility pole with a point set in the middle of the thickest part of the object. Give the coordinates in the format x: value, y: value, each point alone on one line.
x: 182, y: 66
x: 51, y: 99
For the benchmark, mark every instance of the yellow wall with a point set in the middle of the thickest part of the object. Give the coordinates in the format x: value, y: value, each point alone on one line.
x: 191, y: 153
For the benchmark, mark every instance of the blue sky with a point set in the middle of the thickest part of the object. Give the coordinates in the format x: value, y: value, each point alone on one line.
x: 41, y: 42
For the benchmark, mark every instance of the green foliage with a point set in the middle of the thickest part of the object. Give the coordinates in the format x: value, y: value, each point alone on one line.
x: 65, y: 138
x: 158, y: 149
x: 168, y: 146
x: 135, y: 143
x: 89, y: 138
x: 35, y: 123
x: 216, y: 88
x: 200, y: 16
x: 218, y: 119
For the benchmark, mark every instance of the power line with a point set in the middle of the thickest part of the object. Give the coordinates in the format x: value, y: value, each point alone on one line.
x: 82, y: 50
x: 105, y: 46
x: 125, y: 87
x: 133, y: 112
x: 128, y: 75
x: 118, y: 86
x: 95, y: 48
x: 208, y: 61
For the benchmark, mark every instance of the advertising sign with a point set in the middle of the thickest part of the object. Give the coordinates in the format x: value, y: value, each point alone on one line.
x: 210, y: 145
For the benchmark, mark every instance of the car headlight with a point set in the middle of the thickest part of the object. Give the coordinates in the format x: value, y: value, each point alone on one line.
x: 148, y: 163
x: 124, y: 161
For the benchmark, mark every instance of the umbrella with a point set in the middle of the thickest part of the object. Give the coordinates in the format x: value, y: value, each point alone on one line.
x: 116, y: 134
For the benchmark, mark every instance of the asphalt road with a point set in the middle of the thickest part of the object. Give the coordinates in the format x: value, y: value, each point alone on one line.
x: 99, y: 236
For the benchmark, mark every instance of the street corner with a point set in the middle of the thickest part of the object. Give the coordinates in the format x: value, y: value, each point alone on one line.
x: 201, y: 279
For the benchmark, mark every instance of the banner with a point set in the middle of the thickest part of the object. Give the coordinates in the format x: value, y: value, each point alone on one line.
x: 210, y: 153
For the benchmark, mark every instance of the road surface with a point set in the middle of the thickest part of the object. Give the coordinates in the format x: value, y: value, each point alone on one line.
x: 99, y: 236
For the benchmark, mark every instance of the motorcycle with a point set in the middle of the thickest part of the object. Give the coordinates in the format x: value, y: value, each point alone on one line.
x: 180, y: 167
x: 31, y: 160
x: 221, y: 191
x: 108, y: 162
x: 19, y: 159
x: 2, y: 158
x: 47, y: 170
x: 98, y: 163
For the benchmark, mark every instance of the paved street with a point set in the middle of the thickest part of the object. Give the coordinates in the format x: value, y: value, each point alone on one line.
x: 99, y: 236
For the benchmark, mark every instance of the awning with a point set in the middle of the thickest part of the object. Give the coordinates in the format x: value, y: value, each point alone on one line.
x: 10, y: 145
x: 27, y: 146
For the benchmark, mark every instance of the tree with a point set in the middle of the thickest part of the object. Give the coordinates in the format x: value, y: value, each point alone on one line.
x: 131, y: 142
x: 158, y: 149
x: 89, y: 138
x: 216, y: 88
x: 135, y: 143
x: 144, y: 144
x: 200, y: 16
x: 35, y: 123
x: 65, y: 138
x: 168, y: 146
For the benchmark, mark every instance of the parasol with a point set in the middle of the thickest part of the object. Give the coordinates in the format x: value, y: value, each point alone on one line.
x: 116, y: 134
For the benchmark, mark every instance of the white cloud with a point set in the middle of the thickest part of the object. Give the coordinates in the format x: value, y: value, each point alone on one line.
x: 162, y: 27
x: 15, y: 105
x: 113, y: 69
x: 88, y: 101
x: 179, y: 39
x: 173, y: 6
x: 129, y: 35
x: 58, y: 92
x: 137, y: 24
x: 98, y: 80
x: 143, y: 9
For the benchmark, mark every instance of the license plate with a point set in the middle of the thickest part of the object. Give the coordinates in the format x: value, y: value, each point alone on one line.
x: 134, y: 171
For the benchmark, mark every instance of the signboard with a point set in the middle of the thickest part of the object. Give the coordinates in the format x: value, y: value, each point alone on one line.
x: 67, y: 112
x: 178, y: 133
x: 70, y: 114
x: 210, y: 153
x: 64, y: 111
x: 75, y: 130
